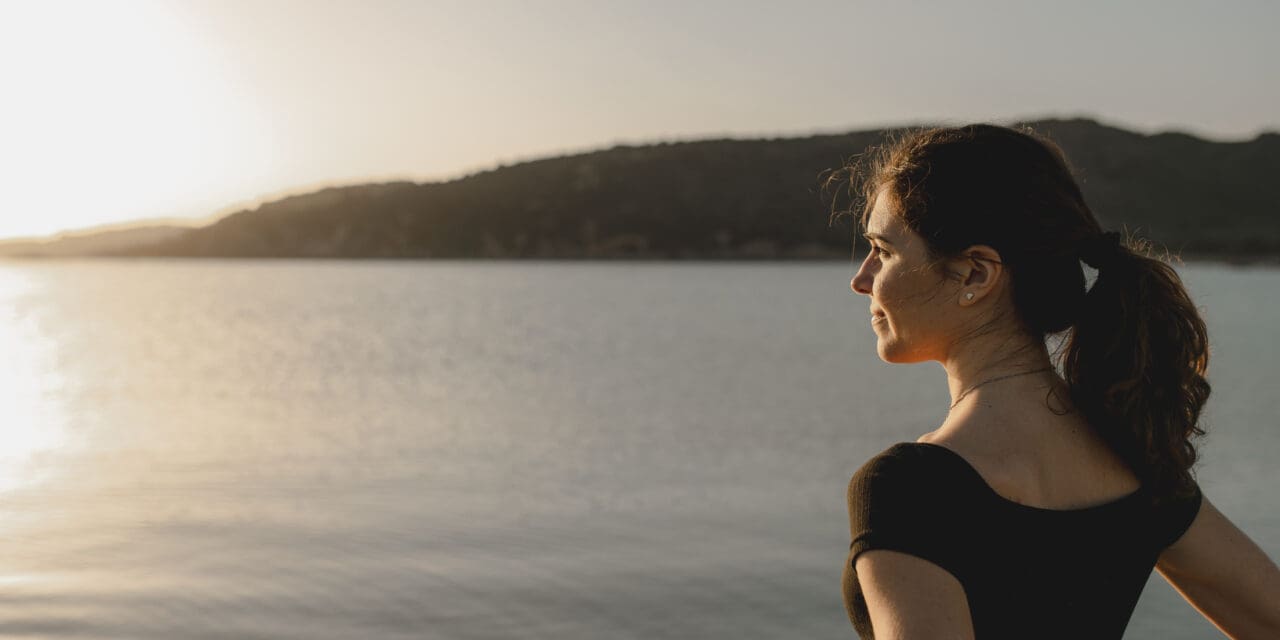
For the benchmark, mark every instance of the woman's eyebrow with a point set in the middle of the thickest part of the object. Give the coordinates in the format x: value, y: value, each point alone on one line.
x: 876, y: 236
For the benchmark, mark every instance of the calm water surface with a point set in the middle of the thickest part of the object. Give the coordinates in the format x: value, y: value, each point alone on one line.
x: 279, y: 449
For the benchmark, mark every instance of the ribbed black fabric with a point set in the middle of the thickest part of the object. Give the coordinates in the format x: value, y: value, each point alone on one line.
x: 1027, y: 572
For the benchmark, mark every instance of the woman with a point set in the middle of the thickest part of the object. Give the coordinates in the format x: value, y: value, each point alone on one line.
x: 1041, y: 504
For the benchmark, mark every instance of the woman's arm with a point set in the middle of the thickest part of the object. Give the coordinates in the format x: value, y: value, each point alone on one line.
x: 909, y: 598
x: 1225, y: 576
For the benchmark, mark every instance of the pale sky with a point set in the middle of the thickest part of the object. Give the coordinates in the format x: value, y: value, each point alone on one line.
x: 120, y: 110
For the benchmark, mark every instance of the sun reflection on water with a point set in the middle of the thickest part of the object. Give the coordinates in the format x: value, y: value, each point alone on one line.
x: 34, y: 419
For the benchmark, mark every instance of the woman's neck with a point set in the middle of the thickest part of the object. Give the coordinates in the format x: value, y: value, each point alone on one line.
x: 973, y: 366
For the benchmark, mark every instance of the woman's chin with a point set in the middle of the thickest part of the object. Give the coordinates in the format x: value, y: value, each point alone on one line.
x: 894, y: 352
x: 888, y: 346
x: 884, y: 348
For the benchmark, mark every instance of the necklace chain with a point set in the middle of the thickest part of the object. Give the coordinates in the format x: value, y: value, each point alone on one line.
x: 1011, y: 375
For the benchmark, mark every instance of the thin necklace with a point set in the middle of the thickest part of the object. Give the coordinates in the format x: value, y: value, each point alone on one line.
x: 1011, y: 375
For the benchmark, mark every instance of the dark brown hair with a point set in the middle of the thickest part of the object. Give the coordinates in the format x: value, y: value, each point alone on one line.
x: 1136, y: 351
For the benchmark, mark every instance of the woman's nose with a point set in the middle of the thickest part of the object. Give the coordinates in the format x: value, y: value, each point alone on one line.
x: 861, y: 282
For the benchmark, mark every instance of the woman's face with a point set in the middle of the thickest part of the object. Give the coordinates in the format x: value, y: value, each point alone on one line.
x: 913, y: 310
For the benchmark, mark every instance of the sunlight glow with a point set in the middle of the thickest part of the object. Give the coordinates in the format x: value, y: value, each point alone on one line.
x: 113, y: 111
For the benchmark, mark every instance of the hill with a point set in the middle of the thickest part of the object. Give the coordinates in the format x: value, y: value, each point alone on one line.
x: 717, y: 199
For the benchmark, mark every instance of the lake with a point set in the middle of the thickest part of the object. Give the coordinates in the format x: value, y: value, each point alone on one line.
x: 328, y: 449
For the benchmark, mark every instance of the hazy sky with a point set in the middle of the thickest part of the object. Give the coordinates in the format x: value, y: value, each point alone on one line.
x: 116, y: 110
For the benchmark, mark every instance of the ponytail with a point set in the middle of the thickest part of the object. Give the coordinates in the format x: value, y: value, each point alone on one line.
x: 1135, y: 362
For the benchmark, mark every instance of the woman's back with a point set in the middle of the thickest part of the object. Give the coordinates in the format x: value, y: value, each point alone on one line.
x: 1052, y: 460
x: 1026, y: 571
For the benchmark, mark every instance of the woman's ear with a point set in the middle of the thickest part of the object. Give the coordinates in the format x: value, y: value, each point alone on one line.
x: 981, y: 270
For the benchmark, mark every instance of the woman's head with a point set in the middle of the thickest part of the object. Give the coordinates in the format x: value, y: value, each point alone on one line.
x: 988, y: 228
x: 923, y: 304
x: 988, y: 186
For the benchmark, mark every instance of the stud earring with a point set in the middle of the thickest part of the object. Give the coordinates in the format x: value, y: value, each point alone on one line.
x: 968, y: 296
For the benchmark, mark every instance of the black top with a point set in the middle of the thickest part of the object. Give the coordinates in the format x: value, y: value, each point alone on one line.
x: 1027, y: 572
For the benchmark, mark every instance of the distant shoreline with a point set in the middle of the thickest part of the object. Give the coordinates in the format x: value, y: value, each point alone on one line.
x: 1230, y: 260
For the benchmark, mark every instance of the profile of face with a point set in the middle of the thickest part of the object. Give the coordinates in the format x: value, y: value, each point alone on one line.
x: 914, y: 310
